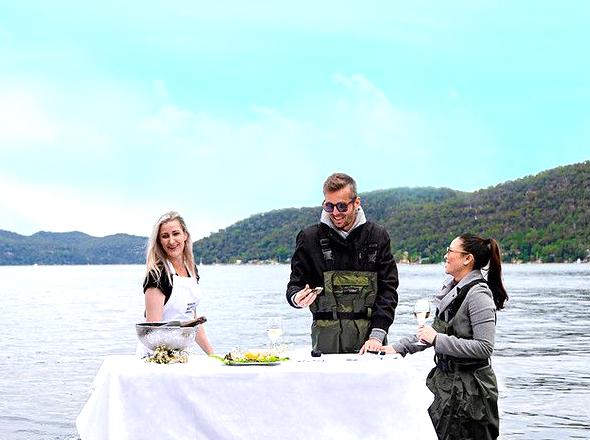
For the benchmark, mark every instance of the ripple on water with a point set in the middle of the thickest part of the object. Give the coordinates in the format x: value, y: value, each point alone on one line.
x: 544, y: 397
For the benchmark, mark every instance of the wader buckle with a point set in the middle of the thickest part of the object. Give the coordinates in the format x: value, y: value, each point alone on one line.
x: 326, y: 251
x: 445, y: 365
x: 372, y: 257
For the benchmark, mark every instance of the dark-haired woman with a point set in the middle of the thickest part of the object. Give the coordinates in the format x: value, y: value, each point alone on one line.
x: 465, y: 392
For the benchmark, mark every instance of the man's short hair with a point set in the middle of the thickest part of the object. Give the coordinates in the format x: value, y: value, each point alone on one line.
x: 337, y: 181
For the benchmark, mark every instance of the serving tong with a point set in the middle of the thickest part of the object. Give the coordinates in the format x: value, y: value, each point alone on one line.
x: 189, y: 323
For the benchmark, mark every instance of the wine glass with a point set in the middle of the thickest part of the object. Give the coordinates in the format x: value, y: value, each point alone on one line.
x: 274, y: 329
x: 421, y: 313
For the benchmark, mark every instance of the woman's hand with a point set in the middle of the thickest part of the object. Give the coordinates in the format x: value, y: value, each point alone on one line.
x: 426, y: 334
x: 388, y: 349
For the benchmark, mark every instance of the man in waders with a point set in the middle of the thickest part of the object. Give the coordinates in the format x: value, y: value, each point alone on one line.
x: 351, y: 259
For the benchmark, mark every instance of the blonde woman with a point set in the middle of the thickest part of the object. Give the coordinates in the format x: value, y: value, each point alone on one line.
x: 171, y: 284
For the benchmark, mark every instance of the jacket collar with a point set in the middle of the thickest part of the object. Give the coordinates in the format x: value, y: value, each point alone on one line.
x: 360, y: 219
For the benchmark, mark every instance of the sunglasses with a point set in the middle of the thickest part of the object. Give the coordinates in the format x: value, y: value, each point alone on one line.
x: 340, y: 206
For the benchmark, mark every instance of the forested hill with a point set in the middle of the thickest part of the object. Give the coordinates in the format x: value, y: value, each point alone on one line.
x: 70, y: 248
x: 537, y: 218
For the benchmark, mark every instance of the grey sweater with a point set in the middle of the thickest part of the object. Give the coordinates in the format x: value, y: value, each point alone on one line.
x: 474, y: 323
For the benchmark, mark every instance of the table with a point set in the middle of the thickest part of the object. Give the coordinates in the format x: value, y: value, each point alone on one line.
x: 332, y: 397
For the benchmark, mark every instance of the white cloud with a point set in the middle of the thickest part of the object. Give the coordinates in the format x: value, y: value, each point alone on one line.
x: 50, y: 207
x: 161, y: 90
x: 23, y: 120
x: 362, y: 116
x: 27, y: 208
x: 217, y: 169
x: 367, y: 114
x: 277, y: 157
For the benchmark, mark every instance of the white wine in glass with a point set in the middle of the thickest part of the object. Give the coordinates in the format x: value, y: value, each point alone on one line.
x: 274, y: 329
x: 421, y: 313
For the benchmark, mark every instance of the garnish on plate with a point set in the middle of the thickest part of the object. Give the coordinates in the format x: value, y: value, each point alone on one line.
x: 251, y: 357
x: 254, y: 356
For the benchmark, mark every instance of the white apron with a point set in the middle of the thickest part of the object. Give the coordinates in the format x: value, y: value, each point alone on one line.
x: 182, y: 304
x: 185, y: 297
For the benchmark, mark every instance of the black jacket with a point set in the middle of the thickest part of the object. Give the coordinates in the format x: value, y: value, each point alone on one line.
x: 308, y: 264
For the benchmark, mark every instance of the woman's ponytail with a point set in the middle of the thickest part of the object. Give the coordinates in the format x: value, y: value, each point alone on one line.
x: 495, y: 275
x: 486, y: 252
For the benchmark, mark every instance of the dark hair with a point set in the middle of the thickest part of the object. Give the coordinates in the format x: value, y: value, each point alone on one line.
x: 487, y: 251
x: 337, y: 181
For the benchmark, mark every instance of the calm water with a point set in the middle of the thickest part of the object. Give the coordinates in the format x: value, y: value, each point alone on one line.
x: 61, y: 321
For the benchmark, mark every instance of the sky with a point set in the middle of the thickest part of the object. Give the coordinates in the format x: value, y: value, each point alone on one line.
x: 113, y: 113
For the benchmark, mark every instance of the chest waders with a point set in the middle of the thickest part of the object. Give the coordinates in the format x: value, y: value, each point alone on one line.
x: 465, y: 391
x: 342, y: 312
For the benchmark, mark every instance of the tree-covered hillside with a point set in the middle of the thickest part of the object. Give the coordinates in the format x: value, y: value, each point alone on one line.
x: 536, y: 218
x: 70, y: 248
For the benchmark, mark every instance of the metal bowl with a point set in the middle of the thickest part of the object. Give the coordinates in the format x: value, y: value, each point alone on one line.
x: 154, y: 334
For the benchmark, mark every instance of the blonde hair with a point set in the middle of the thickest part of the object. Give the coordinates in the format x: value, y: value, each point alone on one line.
x: 156, y: 255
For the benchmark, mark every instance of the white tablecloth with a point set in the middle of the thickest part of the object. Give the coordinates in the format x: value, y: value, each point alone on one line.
x: 333, y: 397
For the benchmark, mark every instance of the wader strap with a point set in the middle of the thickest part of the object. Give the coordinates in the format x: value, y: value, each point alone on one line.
x: 449, y: 363
x: 339, y: 315
x: 327, y: 252
x: 454, y: 306
x: 371, y: 248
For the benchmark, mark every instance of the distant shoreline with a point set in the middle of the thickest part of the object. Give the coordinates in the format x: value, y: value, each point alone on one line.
x: 403, y: 263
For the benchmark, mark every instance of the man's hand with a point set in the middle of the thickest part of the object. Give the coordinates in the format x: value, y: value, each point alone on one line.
x: 372, y: 345
x: 304, y: 297
x: 388, y: 349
